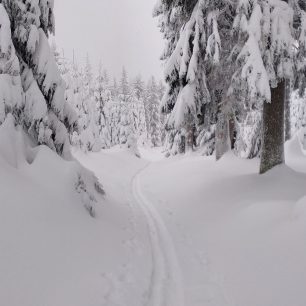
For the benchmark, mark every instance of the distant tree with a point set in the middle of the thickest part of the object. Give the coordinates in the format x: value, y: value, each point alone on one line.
x: 114, y: 89
x: 153, y: 105
x: 102, y: 97
x: 138, y: 106
x: 127, y: 132
x: 161, y: 89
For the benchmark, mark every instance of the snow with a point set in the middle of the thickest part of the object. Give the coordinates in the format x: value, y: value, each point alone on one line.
x: 254, y: 70
x: 169, y: 232
x: 47, y: 237
x: 235, y: 232
x: 5, y: 37
x: 10, y: 83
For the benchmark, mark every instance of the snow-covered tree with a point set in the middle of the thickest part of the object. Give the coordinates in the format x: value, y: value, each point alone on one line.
x: 32, y: 89
x: 139, y: 116
x: 196, y: 87
x: 153, y: 106
x: 113, y: 114
x: 266, y: 57
x: 87, y: 137
x: 46, y: 116
x: 102, y: 97
x: 161, y: 88
x: 298, y: 114
x: 182, y: 99
x: 114, y: 89
x: 127, y: 131
x: 11, y: 99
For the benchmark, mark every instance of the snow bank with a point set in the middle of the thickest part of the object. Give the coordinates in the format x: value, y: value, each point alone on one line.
x: 44, y: 165
x: 240, y: 237
x: 49, y: 244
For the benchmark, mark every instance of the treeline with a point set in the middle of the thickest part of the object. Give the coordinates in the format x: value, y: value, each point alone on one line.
x: 111, y: 112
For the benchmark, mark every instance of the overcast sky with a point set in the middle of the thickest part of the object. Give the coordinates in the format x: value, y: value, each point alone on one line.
x: 117, y: 32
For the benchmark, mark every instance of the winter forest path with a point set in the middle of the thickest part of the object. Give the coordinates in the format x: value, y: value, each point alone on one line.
x: 166, y: 285
x: 183, y: 273
x: 161, y: 262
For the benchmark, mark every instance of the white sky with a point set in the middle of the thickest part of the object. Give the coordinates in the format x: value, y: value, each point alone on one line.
x: 117, y: 32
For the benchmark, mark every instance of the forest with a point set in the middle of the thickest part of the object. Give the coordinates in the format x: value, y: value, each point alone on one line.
x: 135, y: 189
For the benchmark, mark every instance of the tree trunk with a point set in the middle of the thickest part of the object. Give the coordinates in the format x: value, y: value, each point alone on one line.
x: 288, y: 111
x: 222, y: 136
x: 182, y: 144
x: 232, y: 133
x: 190, y: 127
x: 273, y: 129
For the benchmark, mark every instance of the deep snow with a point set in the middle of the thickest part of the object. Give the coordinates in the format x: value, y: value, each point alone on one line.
x: 186, y: 231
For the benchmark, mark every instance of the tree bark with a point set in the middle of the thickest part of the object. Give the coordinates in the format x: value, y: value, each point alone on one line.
x: 288, y: 111
x: 190, y: 129
x: 273, y: 129
x: 222, y: 136
x: 222, y: 126
x: 232, y: 133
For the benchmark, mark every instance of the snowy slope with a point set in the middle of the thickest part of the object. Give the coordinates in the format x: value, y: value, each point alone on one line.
x: 240, y: 237
x: 185, y: 231
x: 50, y: 246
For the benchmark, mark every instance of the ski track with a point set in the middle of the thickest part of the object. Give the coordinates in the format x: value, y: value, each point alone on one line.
x: 166, y: 284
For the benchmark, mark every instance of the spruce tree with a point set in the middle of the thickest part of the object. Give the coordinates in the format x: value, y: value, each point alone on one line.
x: 127, y: 131
x: 32, y: 89
x: 113, y: 111
x: 46, y: 116
x: 102, y: 97
x: 153, y: 110
x: 196, y: 70
x: 139, y: 116
x: 267, y: 32
x: 11, y: 100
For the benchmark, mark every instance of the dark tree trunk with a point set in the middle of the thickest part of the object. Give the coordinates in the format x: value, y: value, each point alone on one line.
x: 222, y: 136
x: 232, y: 133
x: 288, y: 111
x: 182, y: 144
x: 273, y: 129
x: 190, y: 129
x: 222, y: 127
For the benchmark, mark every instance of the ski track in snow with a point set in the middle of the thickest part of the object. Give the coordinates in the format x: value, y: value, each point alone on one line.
x: 166, y: 285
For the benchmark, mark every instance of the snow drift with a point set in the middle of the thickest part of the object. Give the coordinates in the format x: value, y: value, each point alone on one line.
x: 41, y: 164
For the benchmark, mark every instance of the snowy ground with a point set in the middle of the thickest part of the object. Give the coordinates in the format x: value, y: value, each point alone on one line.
x: 178, y: 232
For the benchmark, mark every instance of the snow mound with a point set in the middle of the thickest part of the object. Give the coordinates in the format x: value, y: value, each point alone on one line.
x: 294, y: 148
x: 14, y: 149
x: 295, y: 156
x: 42, y: 164
x: 299, y: 211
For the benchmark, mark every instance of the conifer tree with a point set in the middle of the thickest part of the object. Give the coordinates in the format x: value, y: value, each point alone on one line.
x: 32, y: 88
x: 153, y: 110
x: 127, y: 132
x: 113, y: 111
x: 90, y: 136
x: 138, y: 97
x: 163, y: 118
x: 11, y: 100
x: 46, y: 116
x: 102, y: 97
x: 267, y: 31
x: 195, y: 87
